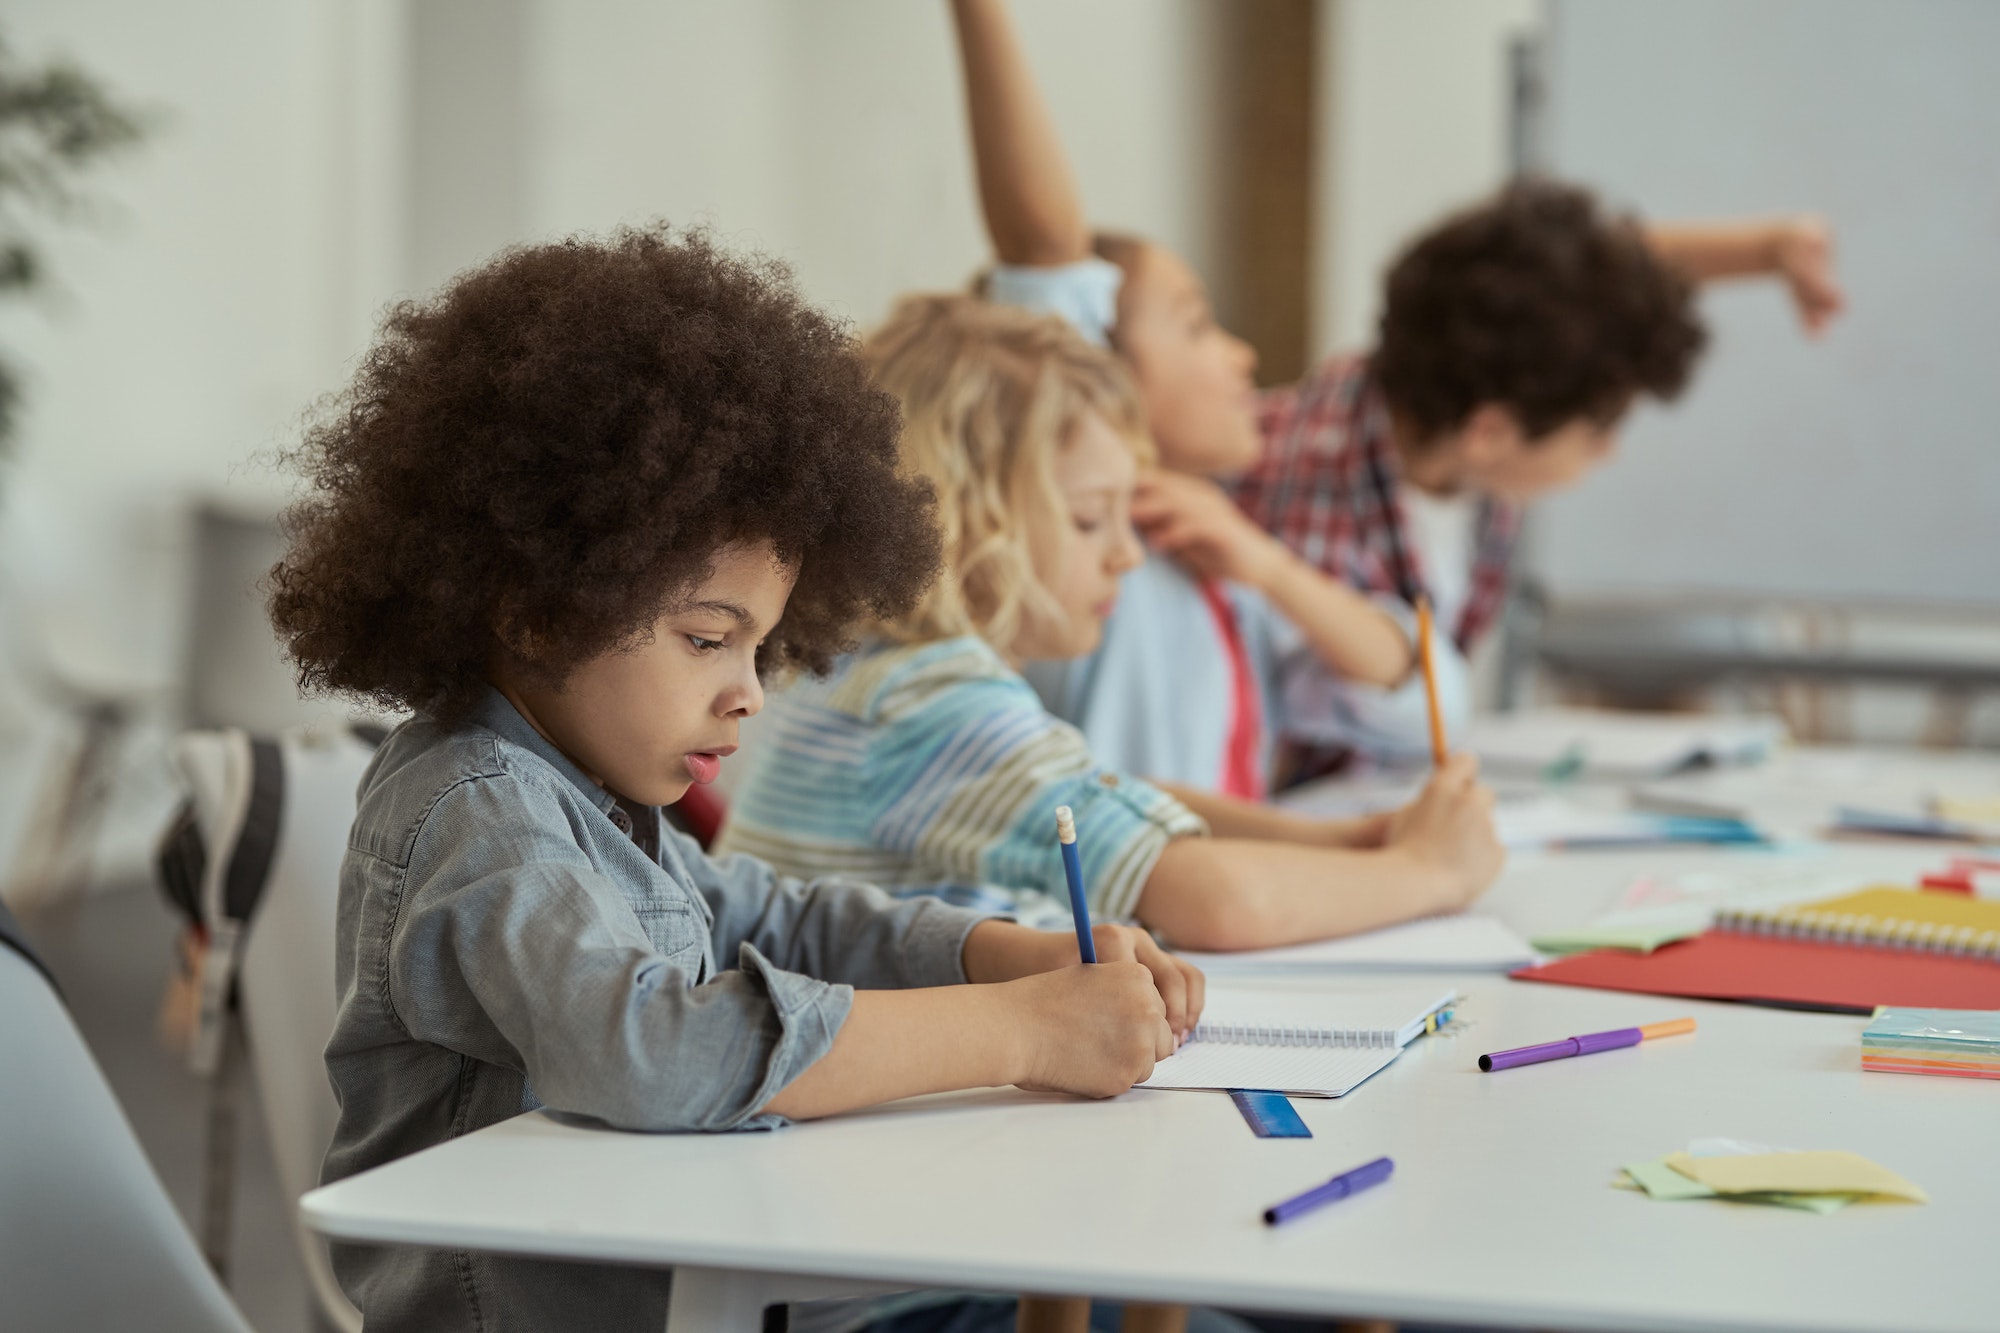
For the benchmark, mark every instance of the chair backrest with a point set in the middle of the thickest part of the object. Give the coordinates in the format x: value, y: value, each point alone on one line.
x: 286, y: 981
x: 285, y: 974
x: 88, y: 1236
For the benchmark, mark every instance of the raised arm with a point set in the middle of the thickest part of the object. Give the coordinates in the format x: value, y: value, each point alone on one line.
x: 1798, y: 250
x: 1034, y: 212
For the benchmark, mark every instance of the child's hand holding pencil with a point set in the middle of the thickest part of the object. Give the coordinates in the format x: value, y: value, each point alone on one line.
x: 996, y: 954
x: 1448, y: 830
x: 1448, y: 833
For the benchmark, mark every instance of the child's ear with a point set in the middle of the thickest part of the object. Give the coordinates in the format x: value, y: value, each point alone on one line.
x: 516, y: 636
x: 1491, y: 433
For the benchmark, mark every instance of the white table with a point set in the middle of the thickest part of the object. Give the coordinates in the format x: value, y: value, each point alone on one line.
x: 1501, y: 1211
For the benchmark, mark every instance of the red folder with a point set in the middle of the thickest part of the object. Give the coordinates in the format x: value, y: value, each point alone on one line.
x: 1790, y: 974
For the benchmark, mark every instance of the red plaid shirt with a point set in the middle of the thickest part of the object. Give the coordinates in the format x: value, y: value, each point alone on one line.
x: 1327, y: 486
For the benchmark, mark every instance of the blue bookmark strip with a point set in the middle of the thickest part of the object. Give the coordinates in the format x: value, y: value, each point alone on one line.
x: 1270, y: 1115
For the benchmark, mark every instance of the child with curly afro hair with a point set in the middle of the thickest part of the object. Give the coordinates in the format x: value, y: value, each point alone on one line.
x: 564, y: 515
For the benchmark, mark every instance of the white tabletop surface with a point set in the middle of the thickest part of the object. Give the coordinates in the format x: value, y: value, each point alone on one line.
x: 1501, y: 1211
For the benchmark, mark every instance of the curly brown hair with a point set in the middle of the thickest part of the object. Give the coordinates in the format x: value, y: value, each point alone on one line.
x: 557, y: 446
x: 1539, y: 301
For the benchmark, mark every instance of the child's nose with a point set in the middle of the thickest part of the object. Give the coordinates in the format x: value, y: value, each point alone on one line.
x: 1127, y: 552
x: 746, y: 699
x: 1246, y: 356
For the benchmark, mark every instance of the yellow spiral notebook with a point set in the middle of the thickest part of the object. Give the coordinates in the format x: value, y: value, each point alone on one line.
x: 1925, y: 920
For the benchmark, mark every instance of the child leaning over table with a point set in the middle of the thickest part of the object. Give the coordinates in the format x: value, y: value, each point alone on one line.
x: 923, y: 762
x: 1514, y: 339
x: 564, y: 514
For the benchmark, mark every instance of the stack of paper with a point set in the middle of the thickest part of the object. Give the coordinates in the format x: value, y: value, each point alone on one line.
x: 1818, y: 1182
x: 1552, y: 822
x: 1965, y: 808
x: 1570, y: 741
x: 1855, y: 822
x: 1964, y: 1043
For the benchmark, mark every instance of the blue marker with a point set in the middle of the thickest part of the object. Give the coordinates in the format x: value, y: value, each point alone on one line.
x: 1351, y: 1182
x: 1073, y: 872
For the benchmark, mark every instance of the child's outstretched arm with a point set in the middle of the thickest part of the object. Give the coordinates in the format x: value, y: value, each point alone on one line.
x: 1269, y: 878
x: 1798, y: 250
x: 1034, y: 211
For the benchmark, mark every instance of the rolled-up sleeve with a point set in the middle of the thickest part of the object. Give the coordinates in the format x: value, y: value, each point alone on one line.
x: 1084, y: 293
x: 520, y: 953
x: 1391, y: 723
x: 967, y: 785
x: 833, y: 928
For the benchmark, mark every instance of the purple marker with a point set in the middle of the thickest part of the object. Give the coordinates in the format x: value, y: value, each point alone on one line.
x: 1588, y: 1044
x: 1350, y: 1182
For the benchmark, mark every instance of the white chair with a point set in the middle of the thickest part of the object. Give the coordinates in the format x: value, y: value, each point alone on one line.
x: 88, y: 1237
x: 288, y: 832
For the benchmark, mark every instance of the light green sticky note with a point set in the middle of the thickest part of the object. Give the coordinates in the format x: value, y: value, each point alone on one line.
x: 1633, y: 938
x: 1661, y: 1181
x: 1811, y: 1203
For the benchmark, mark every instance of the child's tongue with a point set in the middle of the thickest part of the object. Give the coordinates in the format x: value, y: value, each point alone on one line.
x: 705, y: 767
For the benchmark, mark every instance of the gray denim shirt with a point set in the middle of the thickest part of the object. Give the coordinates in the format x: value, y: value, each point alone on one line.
x: 504, y: 945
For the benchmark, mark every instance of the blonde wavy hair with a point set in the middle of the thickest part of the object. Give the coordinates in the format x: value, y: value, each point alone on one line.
x: 990, y: 396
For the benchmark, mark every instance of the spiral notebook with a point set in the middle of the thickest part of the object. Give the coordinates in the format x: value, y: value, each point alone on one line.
x: 1305, y: 1044
x: 1916, y: 948
x: 1928, y: 921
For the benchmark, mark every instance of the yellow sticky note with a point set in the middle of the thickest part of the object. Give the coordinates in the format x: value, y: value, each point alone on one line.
x: 1797, y: 1173
x: 1967, y: 809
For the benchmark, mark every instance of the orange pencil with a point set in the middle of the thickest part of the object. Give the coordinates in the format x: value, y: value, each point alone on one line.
x: 1439, y: 750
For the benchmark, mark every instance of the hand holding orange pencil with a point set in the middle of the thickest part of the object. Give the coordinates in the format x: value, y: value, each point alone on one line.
x: 1448, y: 831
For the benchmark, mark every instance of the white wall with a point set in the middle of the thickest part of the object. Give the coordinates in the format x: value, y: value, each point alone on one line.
x: 317, y: 159
x: 229, y: 276
x: 833, y: 135
x: 250, y: 244
x: 307, y: 171
x: 1413, y: 122
x: 1858, y: 466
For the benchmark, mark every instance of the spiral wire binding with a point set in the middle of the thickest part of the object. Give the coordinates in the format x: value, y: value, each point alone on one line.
x: 1862, y: 931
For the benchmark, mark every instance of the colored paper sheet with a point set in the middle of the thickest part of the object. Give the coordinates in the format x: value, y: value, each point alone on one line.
x: 1875, y: 1064
x: 1635, y: 937
x: 1659, y: 1181
x: 1965, y: 808
x: 1892, y: 906
x: 1808, y: 1203
x: 1797, y: 974
x: 1956, y: 1043
x: 1797, y: 1173
x: 1974, y: 1030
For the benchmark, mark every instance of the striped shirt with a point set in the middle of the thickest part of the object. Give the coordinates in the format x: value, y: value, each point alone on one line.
x: 934, y: 768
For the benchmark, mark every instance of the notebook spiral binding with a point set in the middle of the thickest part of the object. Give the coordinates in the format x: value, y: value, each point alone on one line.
x: 1243, y: 1034
x: 1855, y: 929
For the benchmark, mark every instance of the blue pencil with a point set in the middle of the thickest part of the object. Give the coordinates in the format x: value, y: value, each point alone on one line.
x: 1073, y: 872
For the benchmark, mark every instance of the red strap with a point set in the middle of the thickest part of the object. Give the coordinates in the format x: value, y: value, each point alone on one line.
x: 1243, y: 756
x: 704, y: 809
